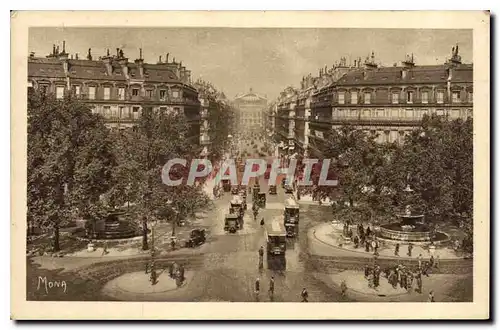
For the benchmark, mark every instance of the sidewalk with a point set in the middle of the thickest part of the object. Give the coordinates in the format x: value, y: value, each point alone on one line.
x: 330, y: 235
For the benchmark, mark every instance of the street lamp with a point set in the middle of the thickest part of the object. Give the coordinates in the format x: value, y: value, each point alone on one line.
x: 173, y: 238
x: 153, y: 276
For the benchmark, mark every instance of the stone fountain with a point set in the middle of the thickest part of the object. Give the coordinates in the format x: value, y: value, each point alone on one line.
x: 411, y: 227
x: 115, y: 225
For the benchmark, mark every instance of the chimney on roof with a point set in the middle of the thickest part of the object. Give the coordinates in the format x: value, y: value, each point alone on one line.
x: 32, y: 54
x: 455, y: 58
x: 89, y: 55
x: 53, y: 49
x: 166, y: 57
x: 64, y: 47
x: 76, y: 56
x: 159, y: 60
x: 139, y: 62
x: 370, y: 62
x: 409, y: 62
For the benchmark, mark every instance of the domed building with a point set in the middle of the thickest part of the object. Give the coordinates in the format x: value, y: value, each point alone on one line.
x: 250, y: 108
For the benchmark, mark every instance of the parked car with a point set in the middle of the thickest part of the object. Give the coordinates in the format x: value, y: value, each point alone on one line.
x: 196, y: 238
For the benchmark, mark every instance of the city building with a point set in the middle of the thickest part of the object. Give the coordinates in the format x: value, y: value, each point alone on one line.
x: 117, y: 88
x: 250, y: 109
x: 385, y: 101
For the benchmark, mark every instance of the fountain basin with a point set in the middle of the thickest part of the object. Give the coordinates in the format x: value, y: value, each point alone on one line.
x: 416, y: 232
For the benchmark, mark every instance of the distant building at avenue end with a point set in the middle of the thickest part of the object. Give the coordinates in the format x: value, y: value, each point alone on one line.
x: 118, y: 89
x: 385, y: 101
x: 251, y: 111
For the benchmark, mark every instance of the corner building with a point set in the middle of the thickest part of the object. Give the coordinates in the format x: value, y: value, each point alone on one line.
x: 117, y: 88
x: 388, y: 102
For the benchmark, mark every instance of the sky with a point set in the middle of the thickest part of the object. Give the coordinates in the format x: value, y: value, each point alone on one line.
x: 266, y: 60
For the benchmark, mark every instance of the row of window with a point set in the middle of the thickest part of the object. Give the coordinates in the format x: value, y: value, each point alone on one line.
x: 123, y: 112
x: 409, y: 97
x: 91, y: 92
x: 396, y: 113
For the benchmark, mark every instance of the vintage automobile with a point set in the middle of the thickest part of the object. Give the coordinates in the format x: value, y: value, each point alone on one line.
x: 283, y: 182
x: 243, y: 197
x: 272, y: 190
x: 236, y: 206
x: 197, y: 237
x: 288, y: 189
x: 243, y: 191
x: 291, y: 217
x: 231, y: 223
x: 235, y: 190
x: 226, y: 185
x: 276, y: 238
x: 262, y: 200
x: 255, y: 193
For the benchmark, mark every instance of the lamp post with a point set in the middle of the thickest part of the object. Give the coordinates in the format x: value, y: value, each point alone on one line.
x: 173, y: 238
x: 153, y: 276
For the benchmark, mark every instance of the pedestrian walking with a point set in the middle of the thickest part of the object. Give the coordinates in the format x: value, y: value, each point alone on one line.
x: 410, y: 248
x: 376, y: 276
x: 367, y: 246
x: 436, y: 262
x: 271, y: 288
x: 181, y: 274
x: 396, y: 250
x: 261, y: 257
x: 171, y: 270
x: 257, y: 287
x: 419, y: 282
x: 375, y: 247
x: 305, y: 295
x: 431, y: 296
x: 419, y: 258
x: 431, y: 261
x: 343, y: 288
x: 105, y: 249
x: 410, y: 281
x: 356, y: 242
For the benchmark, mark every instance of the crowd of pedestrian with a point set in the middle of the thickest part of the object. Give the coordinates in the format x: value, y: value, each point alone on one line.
x: 406, y: 277
x: 364, y: 238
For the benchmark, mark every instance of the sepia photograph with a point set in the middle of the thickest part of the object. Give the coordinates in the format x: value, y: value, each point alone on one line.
x: 329, y: 166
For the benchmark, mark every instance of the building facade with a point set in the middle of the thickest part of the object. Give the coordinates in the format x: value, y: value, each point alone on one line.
x: 117, y: 88
x: 385, y: 101
x: 251, y: 111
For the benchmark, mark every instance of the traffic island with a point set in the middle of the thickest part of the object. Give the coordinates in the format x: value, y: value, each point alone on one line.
x: 137, y: 286
x: 331, y: 235
x: 446, y: 288
x: 330, y: 252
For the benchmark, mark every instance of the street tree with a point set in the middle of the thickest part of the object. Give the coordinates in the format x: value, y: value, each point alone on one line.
x: 69, y: 162
x: 158, y: 137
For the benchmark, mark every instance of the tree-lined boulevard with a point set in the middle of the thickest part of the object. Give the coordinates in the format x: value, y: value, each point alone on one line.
x: 80, y: 170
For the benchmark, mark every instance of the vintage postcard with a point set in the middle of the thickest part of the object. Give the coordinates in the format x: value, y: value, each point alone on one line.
x: 250, y: 165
